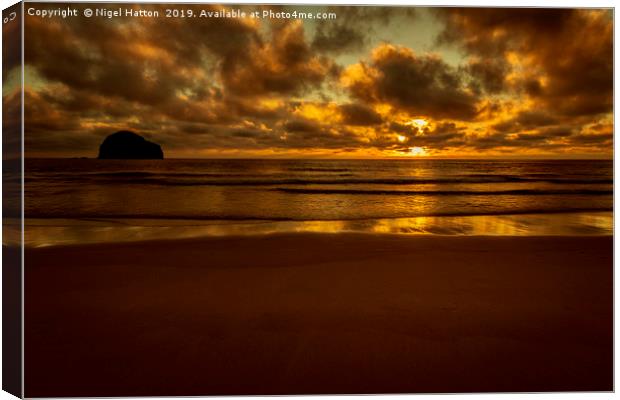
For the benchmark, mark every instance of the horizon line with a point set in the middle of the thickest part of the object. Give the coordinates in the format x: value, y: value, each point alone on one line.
x: 499, y: 158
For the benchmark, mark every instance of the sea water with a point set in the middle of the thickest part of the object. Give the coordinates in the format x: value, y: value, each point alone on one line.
x: 87, y: 200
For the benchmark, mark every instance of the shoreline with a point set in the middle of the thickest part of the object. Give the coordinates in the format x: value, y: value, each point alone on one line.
x: 50, y: 232
x: 318, y: 313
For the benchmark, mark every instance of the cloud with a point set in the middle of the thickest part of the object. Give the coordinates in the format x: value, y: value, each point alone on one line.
x: 276, y: 86
x: 420, y: 85
x: 354, y: 27
x: 561, y: 58
x: 488, y: 75
x: 597, y: 135
x: 336, y: 38
x: 152, y: 63
x: 358, y: 114
x: 104, y: 59
x: 525, y: 120
x: 284, y: 65
x: 564, y: 138
x: 301, y: 126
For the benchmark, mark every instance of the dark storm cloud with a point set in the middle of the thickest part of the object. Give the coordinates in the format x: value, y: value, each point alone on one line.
x: 420, y: 85
x: 302, y: 126
x: 106, y: 64
x: 596, y: 139
x: 443, y: 136
x: 335, y: 38
x: 325, y: 137
x: 600, y: 135
x: 295, y: 134
x: 77, y: 122
x: 285, y: 65
x: 354, y: 27
x: 229, y: 39
x: 358, y: 114
x: 402, y: 128
x: 528, y: 137
x: 247, y: 61
x: 489, y: 75
x: 41, y: 116
x: 245, y: 133
x: 552, y: 137
x: 150, y: 62
x: 566, y: 53
x: 499, y: 141
x: 438, y: 140
x: 526, y: 120
x: 491, y: 31
x: 557, y: 131
x: 248, y: 108
x: 448, y: 127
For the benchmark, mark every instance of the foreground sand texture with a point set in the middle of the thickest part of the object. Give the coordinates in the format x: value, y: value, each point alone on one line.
x: 303, y: 313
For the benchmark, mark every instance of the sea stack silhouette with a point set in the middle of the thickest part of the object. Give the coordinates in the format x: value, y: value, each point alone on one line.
x: 126, y: 145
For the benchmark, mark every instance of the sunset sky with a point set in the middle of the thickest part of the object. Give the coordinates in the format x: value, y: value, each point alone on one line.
x: 375, y: 82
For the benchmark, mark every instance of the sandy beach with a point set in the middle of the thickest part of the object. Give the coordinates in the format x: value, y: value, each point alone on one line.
x: 319, y: 313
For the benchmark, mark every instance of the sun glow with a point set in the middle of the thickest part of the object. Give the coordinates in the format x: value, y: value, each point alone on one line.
x: 418, y: 123
x: 417, y: 151
x: 401, y: 138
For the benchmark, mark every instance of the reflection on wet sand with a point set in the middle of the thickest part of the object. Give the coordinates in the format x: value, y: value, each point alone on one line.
x: 50, y: 232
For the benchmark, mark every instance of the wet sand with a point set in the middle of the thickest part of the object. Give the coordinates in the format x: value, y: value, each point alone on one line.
x: 319, y: 313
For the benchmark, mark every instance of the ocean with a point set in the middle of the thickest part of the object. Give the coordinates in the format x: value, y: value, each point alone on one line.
x: 86, y: 200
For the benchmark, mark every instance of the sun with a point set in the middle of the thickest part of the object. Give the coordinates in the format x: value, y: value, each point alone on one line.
x: 417, y: 151
x: 401, y: 138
